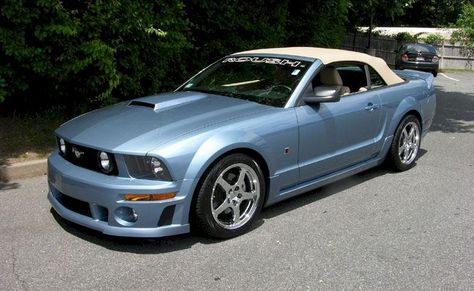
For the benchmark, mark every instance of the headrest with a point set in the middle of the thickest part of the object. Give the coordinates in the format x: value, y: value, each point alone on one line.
x: 330, y: 77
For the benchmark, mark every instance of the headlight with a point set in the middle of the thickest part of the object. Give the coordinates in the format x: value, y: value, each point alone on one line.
x: 156, y: 167
x: 147, y: 168
x: 62, y: 146
x: 105, y: 162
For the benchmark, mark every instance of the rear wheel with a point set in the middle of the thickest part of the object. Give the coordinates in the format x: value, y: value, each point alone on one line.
x: 230, y: 197
x: 406, y: 143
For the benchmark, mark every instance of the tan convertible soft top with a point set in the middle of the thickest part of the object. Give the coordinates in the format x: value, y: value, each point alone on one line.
x: 328, y: 56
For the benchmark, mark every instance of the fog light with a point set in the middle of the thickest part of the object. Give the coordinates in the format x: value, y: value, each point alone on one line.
x: 126, y: 215
x: 149, y: 197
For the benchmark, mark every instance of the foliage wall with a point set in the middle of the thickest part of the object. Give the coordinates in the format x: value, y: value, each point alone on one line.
x: 80, y: 54
x: 84, y: 53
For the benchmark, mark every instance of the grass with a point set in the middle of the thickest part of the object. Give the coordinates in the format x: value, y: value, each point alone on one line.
x: 28, y: 137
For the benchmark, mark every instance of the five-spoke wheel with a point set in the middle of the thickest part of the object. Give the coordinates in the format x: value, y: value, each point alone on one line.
x: 230, y: 197
x: 406, y: 143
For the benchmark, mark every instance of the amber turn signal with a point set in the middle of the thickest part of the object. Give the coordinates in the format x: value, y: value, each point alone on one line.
x: 149, y: 197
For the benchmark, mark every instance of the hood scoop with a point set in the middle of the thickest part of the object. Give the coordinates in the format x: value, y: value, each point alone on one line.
x: 159, y: 104
x: 141, y: 103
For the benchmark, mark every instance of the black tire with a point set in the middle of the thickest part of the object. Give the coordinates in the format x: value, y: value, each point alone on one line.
x: 216, y: 208
x: 405, y: 142
x: 435, y: 73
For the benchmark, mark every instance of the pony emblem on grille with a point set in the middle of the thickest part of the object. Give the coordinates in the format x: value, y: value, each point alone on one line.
x: 77, y: 152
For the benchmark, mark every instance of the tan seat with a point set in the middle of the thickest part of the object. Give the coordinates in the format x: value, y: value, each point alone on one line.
x: 329, y: 76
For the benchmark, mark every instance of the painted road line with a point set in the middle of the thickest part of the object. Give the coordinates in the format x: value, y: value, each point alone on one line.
x: 447, y: 77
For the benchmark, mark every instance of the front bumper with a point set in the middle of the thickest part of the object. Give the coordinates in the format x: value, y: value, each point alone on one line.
x: 94, y: 200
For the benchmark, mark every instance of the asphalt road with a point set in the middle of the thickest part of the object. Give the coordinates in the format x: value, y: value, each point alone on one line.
x: 377, y: 230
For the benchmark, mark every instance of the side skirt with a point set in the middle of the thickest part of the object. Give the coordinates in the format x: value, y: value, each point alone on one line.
x: 321, y: 181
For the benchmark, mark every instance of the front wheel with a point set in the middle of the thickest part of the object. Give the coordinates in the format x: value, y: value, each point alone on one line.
x: 230, y: 197
x: 405, y: 144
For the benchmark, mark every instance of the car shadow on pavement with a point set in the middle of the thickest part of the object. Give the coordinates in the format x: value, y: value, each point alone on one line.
x: 326, y: 191
x: 180, y: 242
x: 4, y: 183
x: 330, y: 189
x: 454, y: 111
x: 130, y: 244
x: 8, y: 186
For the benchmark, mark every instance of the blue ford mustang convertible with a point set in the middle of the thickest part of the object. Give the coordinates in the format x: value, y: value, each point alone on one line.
x: 252, y: 129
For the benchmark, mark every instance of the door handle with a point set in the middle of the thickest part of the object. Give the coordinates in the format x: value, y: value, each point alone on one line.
x: 371, y: 107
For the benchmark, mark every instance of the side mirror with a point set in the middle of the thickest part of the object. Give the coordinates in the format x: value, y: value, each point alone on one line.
x: 324, y: 94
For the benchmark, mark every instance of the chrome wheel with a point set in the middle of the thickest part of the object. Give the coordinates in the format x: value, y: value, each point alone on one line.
x: 409, y: 143
x: 235, y: 196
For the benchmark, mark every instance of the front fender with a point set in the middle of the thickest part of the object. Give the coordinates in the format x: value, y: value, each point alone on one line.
x: 211, y: 150
x: 217, y: 145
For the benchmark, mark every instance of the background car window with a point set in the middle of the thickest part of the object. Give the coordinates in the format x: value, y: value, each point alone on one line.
x: 375, y: 80
x: 423, y: 48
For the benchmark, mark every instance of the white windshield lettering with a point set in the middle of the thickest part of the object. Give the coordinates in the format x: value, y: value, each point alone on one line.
x: 273, y: 61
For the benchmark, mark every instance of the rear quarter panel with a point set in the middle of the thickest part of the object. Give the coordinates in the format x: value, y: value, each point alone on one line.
x: 414, y: 95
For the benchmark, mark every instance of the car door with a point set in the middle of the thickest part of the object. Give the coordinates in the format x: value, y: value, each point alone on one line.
x: 334, y: 136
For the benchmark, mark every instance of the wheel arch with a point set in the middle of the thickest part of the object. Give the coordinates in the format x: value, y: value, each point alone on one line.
x: 414, y: 113
x: 408, y: 105
x: 394, y: 154
x: 254, y: 154
x: 218, y: 147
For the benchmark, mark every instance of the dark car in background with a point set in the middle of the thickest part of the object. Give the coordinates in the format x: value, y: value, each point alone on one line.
x: 417, y: 56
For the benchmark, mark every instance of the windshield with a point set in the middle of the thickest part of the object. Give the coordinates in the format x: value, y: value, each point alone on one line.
x: 268, y: 81
x: 422, y: 48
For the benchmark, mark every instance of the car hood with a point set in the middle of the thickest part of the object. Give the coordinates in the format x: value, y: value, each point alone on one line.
x: 142, y: 124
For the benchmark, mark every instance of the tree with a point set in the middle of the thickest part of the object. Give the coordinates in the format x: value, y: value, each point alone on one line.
x: 87, y: 53
x: 222, y: 27
x: 432, y: 13
x: 375, y: 12
x: 465, y: 34
x: 316, y: 23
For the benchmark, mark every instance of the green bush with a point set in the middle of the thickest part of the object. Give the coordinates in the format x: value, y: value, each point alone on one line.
x: 316, y: 23
x: 406, y: 37
x: 465, y: 23
x: 82, y: 54
x: 434, y: 39
x: 222, y: 27
x: 87, y: 53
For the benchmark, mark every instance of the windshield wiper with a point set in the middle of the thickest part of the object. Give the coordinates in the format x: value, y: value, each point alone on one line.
x: 225, y: 93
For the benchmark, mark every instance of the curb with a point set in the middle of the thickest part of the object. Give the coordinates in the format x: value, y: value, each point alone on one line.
x: 23, y: 170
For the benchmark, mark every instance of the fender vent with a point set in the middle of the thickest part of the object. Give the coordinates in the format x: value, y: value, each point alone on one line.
x: 141, y: 103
